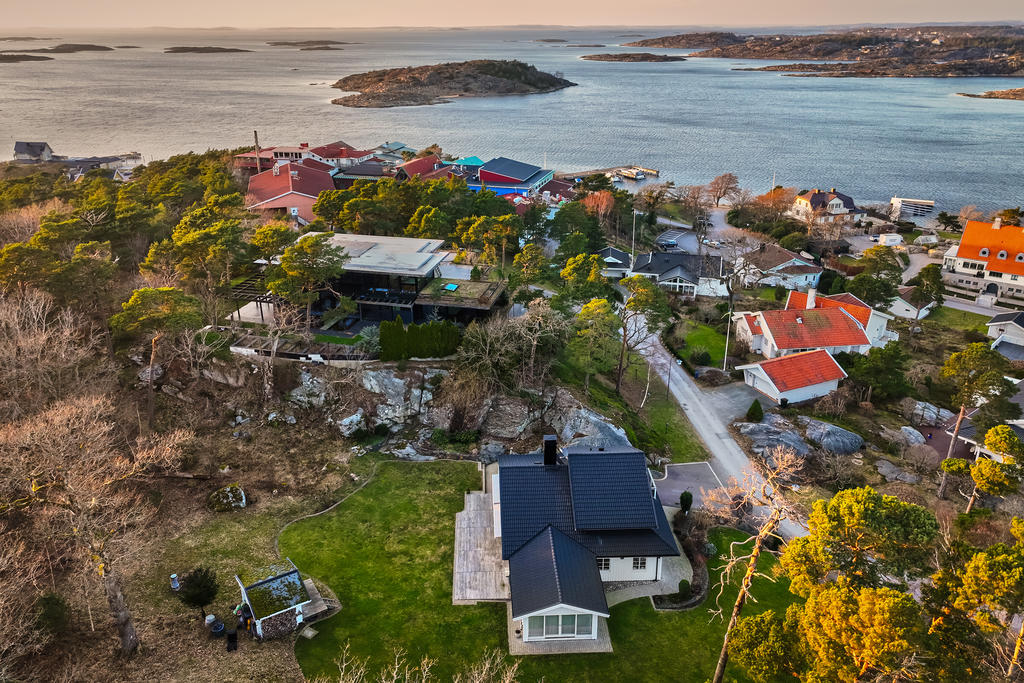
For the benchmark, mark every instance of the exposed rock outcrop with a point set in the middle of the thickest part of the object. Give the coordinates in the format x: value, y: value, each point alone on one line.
x: 830, y: 437
x: 774, y: 432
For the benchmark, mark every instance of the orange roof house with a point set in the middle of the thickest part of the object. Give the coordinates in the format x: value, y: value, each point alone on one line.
x: 812, y: 329
x: 796, y: 377
x: 1000, y: 247
x: 848, y: 302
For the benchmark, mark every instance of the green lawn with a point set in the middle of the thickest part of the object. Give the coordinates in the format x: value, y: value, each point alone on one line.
x: 961, y: 320
x: 948, y: 235
x: 763, y: 293
x: 331, y: 339
x: 387, y: 554
x: 708, y: 338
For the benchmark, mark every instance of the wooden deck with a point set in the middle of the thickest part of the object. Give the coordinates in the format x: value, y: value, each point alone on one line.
x: 318, y: 606
x: 479, y: 573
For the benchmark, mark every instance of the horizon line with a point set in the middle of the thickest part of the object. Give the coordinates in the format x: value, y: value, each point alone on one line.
x: 880, y: 24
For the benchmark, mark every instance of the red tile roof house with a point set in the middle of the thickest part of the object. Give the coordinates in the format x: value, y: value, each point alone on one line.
x: 989, y: 259
x: 340, y: 154
x: 795, y: 378
x: 875, y: 322
x: 772, y: 266
x: 289, y: 188
x: 780, y: 333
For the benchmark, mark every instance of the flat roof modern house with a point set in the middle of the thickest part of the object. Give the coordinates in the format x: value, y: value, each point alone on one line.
x: 507, y: 176
x: 411, y: 278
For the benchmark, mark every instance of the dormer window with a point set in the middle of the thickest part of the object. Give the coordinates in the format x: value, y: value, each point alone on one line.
x: 983, y: 252
x: 1001, y: 256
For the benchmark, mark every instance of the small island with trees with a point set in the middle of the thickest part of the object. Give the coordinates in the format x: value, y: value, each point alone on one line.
x: 439, y: 83
x: 633, y: 57
x: 875, y: 52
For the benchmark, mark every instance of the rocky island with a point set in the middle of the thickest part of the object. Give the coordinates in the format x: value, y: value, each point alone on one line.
x: 10, y: 58
x: 304, y: 43
x: 69, y: 48
x: 1011, y: 94
x: 439, y: 83
x: 691, y: 40
x: 319, y: 47
x: 201, y: 50
x: 931, y: 51
x: 633, y: 57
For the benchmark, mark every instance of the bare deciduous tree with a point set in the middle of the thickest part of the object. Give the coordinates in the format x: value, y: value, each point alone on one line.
x: 757, y: 502
x: 45, y: 352
x: 723, y: 186
x: 22, y: 570
x: 71, y: 470
x: 19, y: 225
x: 490, y: 668
x: 741, y: 272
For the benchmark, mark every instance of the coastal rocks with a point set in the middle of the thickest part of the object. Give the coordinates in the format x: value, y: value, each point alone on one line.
x: 773, y: 433
x: 830, y: 437
x: 893, y: 473
x: 923, y: 413
x: 633, y: 57
x: 404, y: 396
x: 311, y: 392
x: 206, y: 49
x: 227, y: 498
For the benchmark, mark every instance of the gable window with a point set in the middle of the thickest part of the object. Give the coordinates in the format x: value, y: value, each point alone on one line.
x: 604, y: 564
x: 639, y: 563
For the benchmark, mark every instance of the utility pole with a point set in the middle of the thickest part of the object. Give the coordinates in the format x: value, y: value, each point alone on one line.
x: 728, y: 326
x: 256, y: 139
x: 632, y: 256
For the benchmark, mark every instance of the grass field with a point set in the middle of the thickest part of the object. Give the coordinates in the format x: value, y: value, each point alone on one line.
x: 763, y: 293
x: 387, y: 554
x: 708, y: 338
x: 957, y: 319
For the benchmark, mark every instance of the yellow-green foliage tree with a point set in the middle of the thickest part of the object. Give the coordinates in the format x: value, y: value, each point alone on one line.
x: 594, y: 342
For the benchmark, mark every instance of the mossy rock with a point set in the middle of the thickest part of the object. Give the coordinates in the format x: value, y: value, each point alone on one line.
x: 228, y: 498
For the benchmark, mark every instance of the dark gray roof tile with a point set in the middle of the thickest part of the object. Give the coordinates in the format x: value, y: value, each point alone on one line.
x: 552, y: 569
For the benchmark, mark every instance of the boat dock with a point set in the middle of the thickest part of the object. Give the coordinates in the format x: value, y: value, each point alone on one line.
x: 621, y: 171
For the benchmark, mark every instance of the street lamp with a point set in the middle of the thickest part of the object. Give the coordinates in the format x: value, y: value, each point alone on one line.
x: 668, y: 389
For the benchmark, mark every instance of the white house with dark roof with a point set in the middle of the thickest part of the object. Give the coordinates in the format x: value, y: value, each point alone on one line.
x: 566, y: 524
x: 616, y: 263
x: 32, y: 151
x: 815, y: 206
x: 903, y: 306
x: 772, y: 266
x: 686, y: 274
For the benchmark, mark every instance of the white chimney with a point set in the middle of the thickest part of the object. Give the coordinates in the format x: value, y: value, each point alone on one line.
x: 812, y: 296
x: 799, y: 321
x: 997, y: 223
x: 277, y: 170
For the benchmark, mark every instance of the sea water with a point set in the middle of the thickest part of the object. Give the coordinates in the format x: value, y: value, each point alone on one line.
x: 872, y: 138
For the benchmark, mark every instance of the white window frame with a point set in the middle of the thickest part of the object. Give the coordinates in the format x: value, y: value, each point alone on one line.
x: 639, y: 564
x: 604, y: 564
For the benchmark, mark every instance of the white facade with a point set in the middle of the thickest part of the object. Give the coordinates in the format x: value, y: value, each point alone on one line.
x: 629, y: 568
x: 1007, y: 331
x: 890, y: 239
x: 755, y: 377
x: 902, y: 309
x: 561, y: 622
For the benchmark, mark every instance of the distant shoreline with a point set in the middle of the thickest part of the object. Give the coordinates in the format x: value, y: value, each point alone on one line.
x: 1009, y: 94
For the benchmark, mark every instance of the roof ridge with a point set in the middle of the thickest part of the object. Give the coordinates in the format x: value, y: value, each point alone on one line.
x: 554, y: 561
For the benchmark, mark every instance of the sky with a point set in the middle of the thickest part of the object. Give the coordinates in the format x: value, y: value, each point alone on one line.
x: 355, y: 13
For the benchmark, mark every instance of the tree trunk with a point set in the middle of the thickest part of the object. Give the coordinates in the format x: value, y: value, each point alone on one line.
x: 767, y: 530
x: 309, y: 316
x: 122, y: 615
x: 972, y: 500
x: 586, y: 383
x: 949, y: 452
x: 151, y: 407
x: 868, y: 398
x: 1016, y: 653
x: 622, y: 357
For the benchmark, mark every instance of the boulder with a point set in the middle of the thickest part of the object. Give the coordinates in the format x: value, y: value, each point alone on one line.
x: 227, y: 498
x: 407, y: 452
x: 923, y: 413
x: 402, y: 398
x: 222, y: 373
x: 772, y: 433
x: 349, y: 425
x: 911, y: 436
x: 830, y: 437
x: 311, y: 392
x: 156, y: 369
x: 508, y: 418
x: 893, y: 473
x: 278, y: 417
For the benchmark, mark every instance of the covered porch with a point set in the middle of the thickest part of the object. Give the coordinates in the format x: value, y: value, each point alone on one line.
x: 521, y: 643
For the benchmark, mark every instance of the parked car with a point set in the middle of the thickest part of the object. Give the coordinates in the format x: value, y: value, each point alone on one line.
x: 873, y: 238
